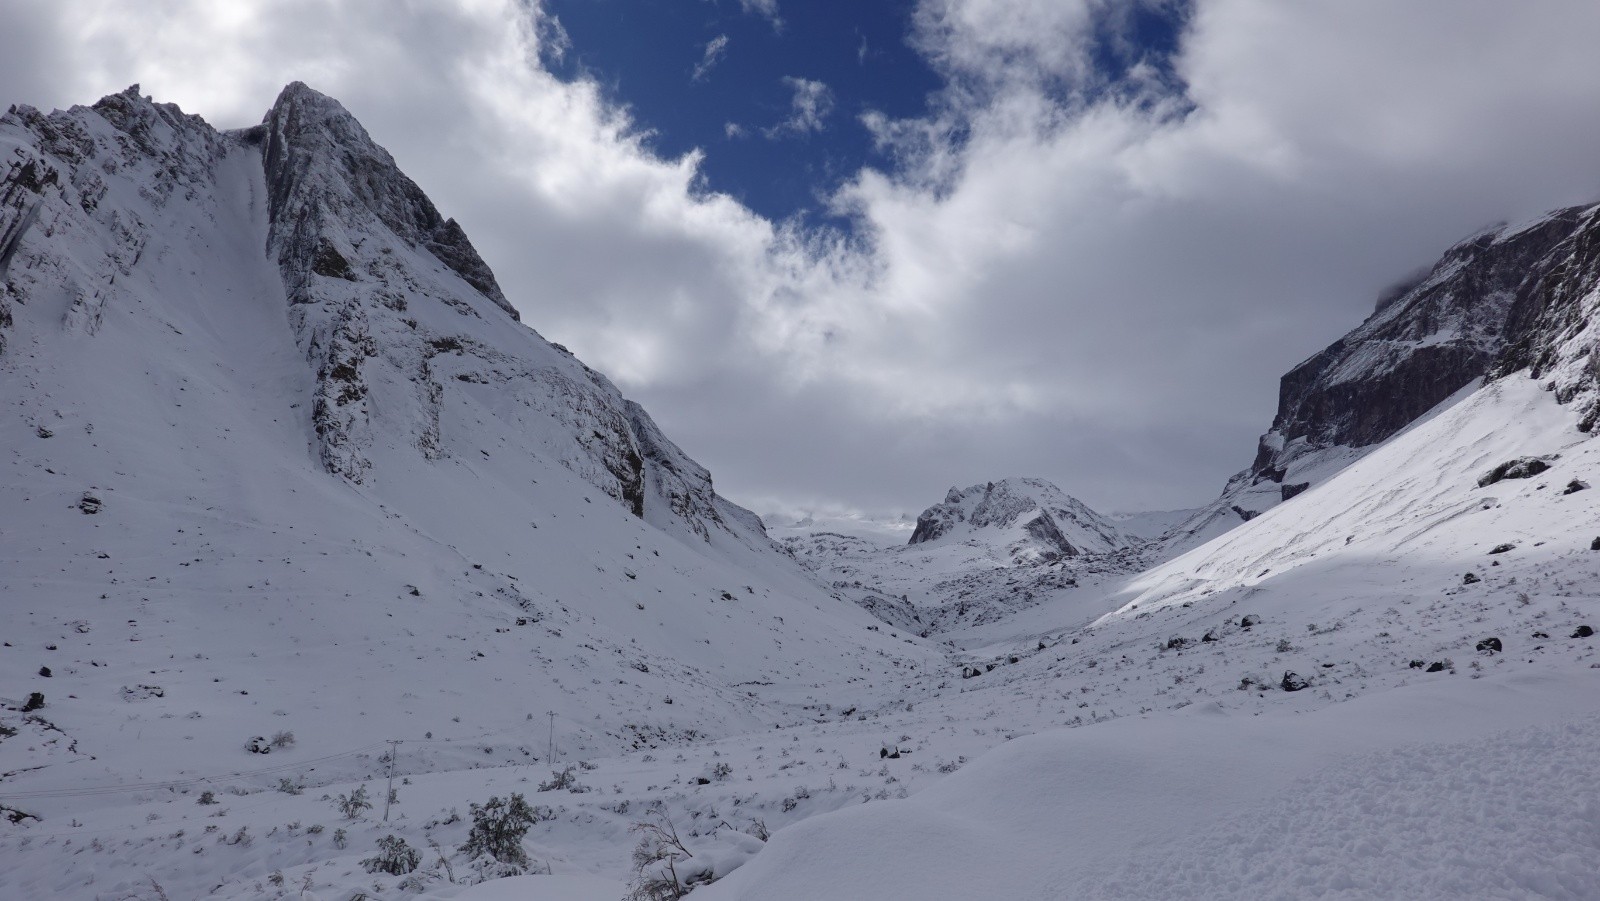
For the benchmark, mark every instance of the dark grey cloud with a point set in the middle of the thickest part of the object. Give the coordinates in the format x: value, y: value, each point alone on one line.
x: 1102, y: 291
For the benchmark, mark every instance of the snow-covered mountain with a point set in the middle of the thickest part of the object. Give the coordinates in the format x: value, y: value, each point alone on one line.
x: 979, y: 556
x: 279, y: 457
x: 1032, y: 518
x: 1489, y: 305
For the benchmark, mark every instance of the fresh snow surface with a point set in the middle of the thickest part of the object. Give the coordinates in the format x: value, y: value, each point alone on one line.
x: 1474, y: 781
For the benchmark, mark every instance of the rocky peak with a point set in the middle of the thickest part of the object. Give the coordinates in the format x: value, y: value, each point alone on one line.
x: 414, y: 355
x: 320, y: 162
x: 1021, y: 510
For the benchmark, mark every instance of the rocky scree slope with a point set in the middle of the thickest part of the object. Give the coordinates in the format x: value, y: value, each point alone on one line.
x: 1491, y: 305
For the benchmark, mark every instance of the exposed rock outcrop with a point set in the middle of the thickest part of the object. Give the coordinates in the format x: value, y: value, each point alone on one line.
x: 1513, y: 298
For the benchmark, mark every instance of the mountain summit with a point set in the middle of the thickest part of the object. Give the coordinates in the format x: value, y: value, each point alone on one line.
x: 1040, y: 520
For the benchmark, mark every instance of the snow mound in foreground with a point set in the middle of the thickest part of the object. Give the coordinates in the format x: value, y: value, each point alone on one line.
x: 1453, y: 789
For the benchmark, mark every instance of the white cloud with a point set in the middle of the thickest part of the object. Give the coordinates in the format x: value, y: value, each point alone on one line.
x: 809, y: 105
x: 715, y: 48
x: 768, y: 9
x: 1099, y: 287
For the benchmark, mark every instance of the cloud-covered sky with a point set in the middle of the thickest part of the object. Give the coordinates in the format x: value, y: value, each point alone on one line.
x: 1087, y: 255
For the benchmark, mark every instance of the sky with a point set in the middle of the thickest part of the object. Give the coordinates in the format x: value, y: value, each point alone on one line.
x: 851, y: 254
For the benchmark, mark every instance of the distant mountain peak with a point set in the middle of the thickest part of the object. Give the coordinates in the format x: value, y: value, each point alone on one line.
x: 1030, y: 512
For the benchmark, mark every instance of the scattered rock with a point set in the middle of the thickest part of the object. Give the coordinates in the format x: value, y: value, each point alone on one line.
x: 1293, y: 682
x: 1490, y: 645
x: 43, y: 432
x: 44, y: 671
x: 1520, y: 468
x: 1211, y: 636
x: 142, y: 692
x: 1177, y: 644
x: 970, y: 672
x: 1583, y: 632
x: 1575, y: 486
x: 1436, y: 667
x: 1595, y: 544
x: 1502, y: 548
x: 1470, y: 578
x: 1418, y: 664
x: 89, y: 503
x: 258, y: 745
x: 1249, y: 620
x: 34, y: 702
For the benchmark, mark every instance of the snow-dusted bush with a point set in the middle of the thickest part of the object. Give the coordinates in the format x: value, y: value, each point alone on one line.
x: 282, y: 740
x: 656, y: 859
x: 498, y: 827
x: 353, y: 804
x: 394, y: 857
x: 563, y: 779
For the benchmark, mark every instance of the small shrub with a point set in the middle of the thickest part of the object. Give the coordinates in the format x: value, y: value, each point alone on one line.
x: 656, y: 859
x: 498, y: 827
x: 208, y: 797
x: 281, y: 740
x: 340, y: 838
x: 353, y: 804
x: 290, y: 787
x: 394, y: 857
x: 560, y: 779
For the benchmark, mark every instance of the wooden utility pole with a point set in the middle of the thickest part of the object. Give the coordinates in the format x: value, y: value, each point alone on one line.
x: 394, y: 749
x: 552, y: 756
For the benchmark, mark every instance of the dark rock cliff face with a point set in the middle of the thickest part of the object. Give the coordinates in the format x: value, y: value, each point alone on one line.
x: 1506, y: 300
x: 1423, y: 346
x: 313, y: 144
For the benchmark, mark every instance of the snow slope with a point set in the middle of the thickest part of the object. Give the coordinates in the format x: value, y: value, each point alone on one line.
x: 1313, y: 713
x: 277, y: 458
x: 1488, y: 306
x: 1449, y: 790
